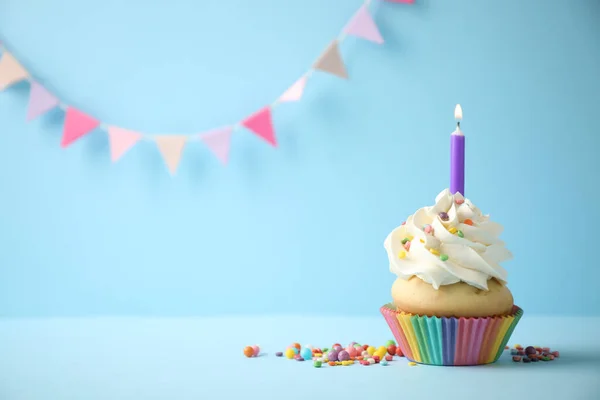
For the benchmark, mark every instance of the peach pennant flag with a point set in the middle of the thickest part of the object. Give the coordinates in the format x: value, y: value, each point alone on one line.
x: 77, y: 124
x: 219, y: 142
x: 171, y: 148
x: 262, y: 125
x: 362, y: 25
x: 11, y: 71
x: 294, y: 93
x: 331, y: 61
x: 121, y: 140
x: 40, y: 101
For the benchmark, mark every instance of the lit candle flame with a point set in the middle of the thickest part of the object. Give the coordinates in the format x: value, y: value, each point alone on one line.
x: 458, y: 112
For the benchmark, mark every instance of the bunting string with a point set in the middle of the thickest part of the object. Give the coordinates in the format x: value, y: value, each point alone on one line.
x: 78, y: 123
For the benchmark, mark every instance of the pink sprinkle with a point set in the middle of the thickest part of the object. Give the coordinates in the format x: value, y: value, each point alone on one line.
x: 403, y: 223
x: 460, y: 201
x: 428, y: 229
x: 407, y: 246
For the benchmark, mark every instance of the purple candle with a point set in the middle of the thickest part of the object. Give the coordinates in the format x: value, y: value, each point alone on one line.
x: 457, y: 156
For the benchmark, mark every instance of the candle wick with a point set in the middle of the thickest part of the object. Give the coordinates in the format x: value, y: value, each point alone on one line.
x: 458, y: 124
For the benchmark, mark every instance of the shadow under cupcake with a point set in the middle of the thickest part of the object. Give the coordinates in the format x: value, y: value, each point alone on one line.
x: 451, y: 305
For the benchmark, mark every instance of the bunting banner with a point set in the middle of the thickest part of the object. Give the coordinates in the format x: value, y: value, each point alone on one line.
x: 78, y: 123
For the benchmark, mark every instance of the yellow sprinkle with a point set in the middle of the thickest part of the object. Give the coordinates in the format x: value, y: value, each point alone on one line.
x: 412, y: 364
x: 517, y: 345
x: 326, y: 360
x: 338, y: 363
x: 402, y: 254
x: 453, y: 230
x: 410, y: 237
x: 434, y: 252
x: 421, y: 240
x: 318, y: 355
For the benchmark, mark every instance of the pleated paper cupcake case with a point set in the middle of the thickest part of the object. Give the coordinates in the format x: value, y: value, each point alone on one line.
x: 451, y: 341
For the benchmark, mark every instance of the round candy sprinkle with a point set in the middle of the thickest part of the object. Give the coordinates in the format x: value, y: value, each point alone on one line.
x: 370, y: 350
x: 256, y: 350
x: 435, y: 252
x: 325, y: 349
x: 526, y: 360
x: 530, y: 350
x: 391, y: 349
x: 389, y: 357
x: 278, y: 354
x: 401, y: 254
x: 371, y: 361
x: 390, y: 343
x: 407, y: 246
x: 333, y: 355
x: 460, y: 234
x: 459, y: 201
x: 290, y: 352
x: 399, y: 351
x: 453, y: 230
x: 376, y: 358
x: 299, y: 359
x: 331, y: 363
x: 535, y: 359
x: 317, y: 364
x: 412, y: 364
x: 337, y: 347
x: 428, y: 229
x: 468, y: 222
x: 296, y: 345
x: 343, y: 355
x: 248, y: 351
x: 384, y: 363
x: 444, y: 257
x: 306, y: 353
x: 444, y: 216
x: 405, y: 240
x: 516, y: 358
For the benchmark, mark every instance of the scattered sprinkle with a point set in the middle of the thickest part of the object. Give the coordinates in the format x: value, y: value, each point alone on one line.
x: 444, y: 257
x: 401, y: 254
x: 453, y: 230
x: 444, y: 216
x: 459, y: 201
x: 412, y: 364
x: 410, y: 237
x: 317, y: 364
x: 384, y: 363
x: 428, y: 229
x: 460, y: 234
x: 516, y: 358
x: 405, y: 240
x: 421, y: 240
x: 407, y: 246
x: 468, y: 222
x: 279, y: 354
x: 248, y: 351
x: 434, y: 252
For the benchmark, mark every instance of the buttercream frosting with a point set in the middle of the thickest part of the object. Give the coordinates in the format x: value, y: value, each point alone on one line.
x: 449, y: 242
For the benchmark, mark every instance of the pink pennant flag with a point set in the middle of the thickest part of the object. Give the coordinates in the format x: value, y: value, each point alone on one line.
x: 261, y: 124
x: 294, y: 93
x: 171, y: 148
x: 121, y: 140
x: 11, y: 71
x: 40, y: 101
x: 363, y: 26
x: 219, y: 142
x: 77, y: 124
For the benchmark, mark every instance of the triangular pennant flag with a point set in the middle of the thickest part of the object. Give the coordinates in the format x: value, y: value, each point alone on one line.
x: 331, y: 61
x: 40, y: 101
x: 11, y: 71
x: 121, y: 140
x: 294, y: 93
x: 261, y: 124
x: 77, y: 124
x: 219, y: 142
x: 363, y: 26
x: 170, y: 148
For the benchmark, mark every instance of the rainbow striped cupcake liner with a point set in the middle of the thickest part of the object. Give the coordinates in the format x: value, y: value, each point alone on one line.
x: 451, y: 341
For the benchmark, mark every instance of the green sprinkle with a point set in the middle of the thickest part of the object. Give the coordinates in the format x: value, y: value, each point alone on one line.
x: 444, y: 257
x: 460, y: 234
x: 405, y: 240
x: 317, y: 364
x: 390, y: 343
x: 325, y: 350
x: 545, y: 358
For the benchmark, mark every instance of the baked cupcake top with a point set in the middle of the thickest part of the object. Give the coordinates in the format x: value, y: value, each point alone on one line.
x: 449, y: 242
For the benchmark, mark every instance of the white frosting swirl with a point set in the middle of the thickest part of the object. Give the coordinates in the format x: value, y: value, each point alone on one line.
x: 461, y: 246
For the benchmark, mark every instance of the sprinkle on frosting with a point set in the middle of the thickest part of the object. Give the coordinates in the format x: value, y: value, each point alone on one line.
x: 456, y: 243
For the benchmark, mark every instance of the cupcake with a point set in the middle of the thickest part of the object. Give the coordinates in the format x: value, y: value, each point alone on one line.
x: 451, y: 304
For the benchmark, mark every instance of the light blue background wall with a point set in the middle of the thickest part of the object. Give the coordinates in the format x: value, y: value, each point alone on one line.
x: 298, y: 229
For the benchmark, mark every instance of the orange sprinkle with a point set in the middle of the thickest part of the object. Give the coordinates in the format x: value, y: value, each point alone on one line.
x: 331, y: 363
x: 468, y: 222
